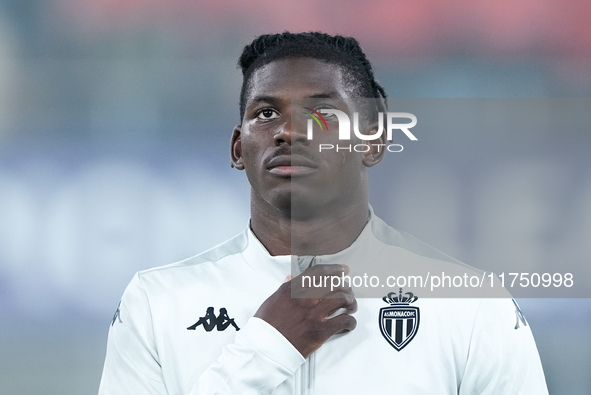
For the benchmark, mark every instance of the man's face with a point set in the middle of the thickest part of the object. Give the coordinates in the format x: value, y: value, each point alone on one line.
x: 284, y: 168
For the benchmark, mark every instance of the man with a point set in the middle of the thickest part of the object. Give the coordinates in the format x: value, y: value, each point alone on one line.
x: 309, y: 209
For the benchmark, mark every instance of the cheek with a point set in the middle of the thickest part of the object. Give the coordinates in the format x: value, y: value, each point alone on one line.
x: 344, y: 164
x: 251, y: 149
x: 253, y: 153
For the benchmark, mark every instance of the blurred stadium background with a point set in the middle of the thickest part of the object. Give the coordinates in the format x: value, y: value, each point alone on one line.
x: 115, y: 117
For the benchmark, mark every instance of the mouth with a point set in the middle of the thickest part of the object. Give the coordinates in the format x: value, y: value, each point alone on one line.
x: 291, y: 166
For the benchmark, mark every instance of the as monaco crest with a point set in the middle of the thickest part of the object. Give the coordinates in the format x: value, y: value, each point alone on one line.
x: 399, y: 323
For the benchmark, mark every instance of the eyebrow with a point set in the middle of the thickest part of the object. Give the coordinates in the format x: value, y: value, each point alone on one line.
x: 269, y: 99
x: 325, y: 95
x: 273, y: 99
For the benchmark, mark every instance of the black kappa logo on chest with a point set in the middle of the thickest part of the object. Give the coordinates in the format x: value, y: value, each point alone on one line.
x: 210, y: 321
x: 399, y: 323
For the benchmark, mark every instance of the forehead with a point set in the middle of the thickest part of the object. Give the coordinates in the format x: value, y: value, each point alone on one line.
x: 299, y: 78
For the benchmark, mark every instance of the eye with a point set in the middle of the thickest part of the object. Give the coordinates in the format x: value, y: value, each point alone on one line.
x: 327, y: 116
x: 267, y: 113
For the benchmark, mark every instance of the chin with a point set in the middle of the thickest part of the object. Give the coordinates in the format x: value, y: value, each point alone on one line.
x: 304, y: 207
x: 296, y: 204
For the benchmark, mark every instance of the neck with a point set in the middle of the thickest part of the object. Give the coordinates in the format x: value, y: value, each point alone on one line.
x: 327, y: 233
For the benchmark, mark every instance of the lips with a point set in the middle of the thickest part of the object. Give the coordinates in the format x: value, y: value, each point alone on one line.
x: 291, y: 166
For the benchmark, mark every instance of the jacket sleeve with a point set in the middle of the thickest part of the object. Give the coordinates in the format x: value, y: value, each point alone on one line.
x: 132, y: 364
x: 259, y: 360
x: 256, y: 363
x: 503, y: 358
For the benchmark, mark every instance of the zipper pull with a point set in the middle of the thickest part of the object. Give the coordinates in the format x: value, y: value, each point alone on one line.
x: 300, y: 263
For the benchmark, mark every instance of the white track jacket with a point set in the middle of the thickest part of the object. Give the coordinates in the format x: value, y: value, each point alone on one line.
x: 430, y: 346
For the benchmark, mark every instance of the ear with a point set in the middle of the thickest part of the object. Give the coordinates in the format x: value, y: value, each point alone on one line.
x: 377, y: 147
x: 236, y: 148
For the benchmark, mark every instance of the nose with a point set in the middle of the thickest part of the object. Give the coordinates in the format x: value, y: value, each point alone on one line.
x: 291, y: 135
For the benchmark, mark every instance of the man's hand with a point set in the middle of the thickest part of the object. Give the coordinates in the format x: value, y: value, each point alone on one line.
x: 302, y: 314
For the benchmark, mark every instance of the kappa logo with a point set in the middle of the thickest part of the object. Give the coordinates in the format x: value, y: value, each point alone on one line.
x: 210, y: 321
x: 399, y: 323
x: 117, y: 315
x: 519, y: 317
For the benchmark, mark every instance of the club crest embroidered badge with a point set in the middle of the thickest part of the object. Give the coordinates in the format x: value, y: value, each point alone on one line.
x: 399, y: 322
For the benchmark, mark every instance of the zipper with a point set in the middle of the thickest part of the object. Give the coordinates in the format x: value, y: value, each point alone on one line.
x: 301, y: 263
x: 304, y: 377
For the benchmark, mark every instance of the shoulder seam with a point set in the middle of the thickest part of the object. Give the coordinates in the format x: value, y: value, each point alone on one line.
x: 205, y: 256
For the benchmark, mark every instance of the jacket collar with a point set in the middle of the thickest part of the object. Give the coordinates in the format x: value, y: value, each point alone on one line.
x: 280, y: 266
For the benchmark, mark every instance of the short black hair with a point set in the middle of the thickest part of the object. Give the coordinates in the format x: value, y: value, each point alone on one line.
x: 342, y: 51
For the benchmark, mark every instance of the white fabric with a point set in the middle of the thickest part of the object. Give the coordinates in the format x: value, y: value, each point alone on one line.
x: 462, y: 346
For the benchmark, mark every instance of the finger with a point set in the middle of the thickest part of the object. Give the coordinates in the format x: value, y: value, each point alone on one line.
x: 319, y: 280
x: 306, y: 289
x: 328, y: 306
x: 326, y: 270
x: 332, y: 288
x: 337, y: 287
x: 341, y: 324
